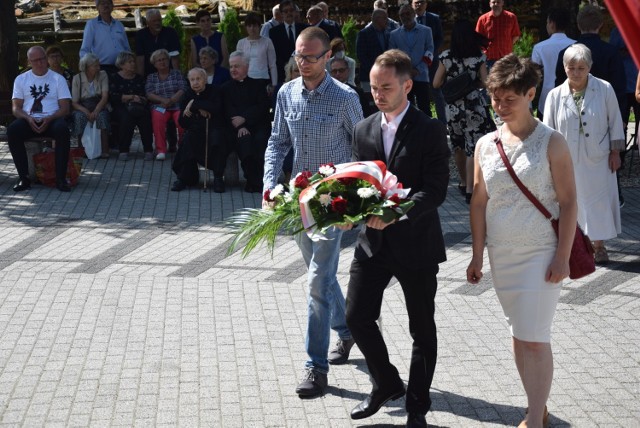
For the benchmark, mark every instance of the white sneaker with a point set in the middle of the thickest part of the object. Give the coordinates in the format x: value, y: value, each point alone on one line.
x: 161, y: 157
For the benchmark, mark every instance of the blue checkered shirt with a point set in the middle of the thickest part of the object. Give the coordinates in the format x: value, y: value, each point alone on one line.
x: 317, y: 124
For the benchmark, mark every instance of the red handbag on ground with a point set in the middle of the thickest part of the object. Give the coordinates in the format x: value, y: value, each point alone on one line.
x: 581, y: 261
x: 45, y: 165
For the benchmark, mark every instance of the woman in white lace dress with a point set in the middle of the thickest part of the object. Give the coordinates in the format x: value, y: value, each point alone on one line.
x: 528, y: 262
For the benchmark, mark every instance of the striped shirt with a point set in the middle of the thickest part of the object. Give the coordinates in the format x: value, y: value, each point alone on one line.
x: 317, y: 124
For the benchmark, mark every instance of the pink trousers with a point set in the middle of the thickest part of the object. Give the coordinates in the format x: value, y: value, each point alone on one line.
x: 159, y: 124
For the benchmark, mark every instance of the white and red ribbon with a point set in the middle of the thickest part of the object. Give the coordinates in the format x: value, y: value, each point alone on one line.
x: 374, y: 172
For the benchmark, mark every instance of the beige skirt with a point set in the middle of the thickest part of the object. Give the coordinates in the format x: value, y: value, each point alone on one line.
x: 528, y: 301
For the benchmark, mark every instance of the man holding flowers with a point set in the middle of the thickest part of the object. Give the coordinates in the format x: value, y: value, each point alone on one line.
x: 315, y: 115
x: 415, y: 149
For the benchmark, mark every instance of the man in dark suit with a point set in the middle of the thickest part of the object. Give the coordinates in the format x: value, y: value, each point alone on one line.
x: 414, y: 148
x: 284, y: 36
x: 371, y: 42
x: 315, y: 17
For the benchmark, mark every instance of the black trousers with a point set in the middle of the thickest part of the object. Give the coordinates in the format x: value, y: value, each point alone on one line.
x: 127, y: 122
x: 368, y: 280
x: 250, y: 149
x: 19, y: 131
x: 192, y: 152
x: 421, y: 92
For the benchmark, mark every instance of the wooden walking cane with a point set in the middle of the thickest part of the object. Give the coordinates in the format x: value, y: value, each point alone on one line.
x: 206, y: 154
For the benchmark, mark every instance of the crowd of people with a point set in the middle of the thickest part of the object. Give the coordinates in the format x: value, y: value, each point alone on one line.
x: 287, y: 100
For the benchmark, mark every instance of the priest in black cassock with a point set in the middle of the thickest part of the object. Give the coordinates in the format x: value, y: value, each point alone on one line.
x: 247, y: 120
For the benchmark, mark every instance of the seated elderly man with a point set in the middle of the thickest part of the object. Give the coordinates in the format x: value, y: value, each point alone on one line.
x: 201, y: 107
x: 246, y: 113
x: 40, y: 103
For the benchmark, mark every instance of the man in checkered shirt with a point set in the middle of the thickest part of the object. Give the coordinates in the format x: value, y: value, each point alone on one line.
x: 315, y: 115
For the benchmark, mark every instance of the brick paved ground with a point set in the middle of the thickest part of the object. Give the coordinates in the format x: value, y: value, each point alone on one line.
x: 120, y: 306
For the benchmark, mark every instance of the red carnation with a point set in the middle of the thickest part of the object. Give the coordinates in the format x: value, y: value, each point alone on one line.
x: 339, y: 205
x: 395, y: 198
x: 267, y: 196
x: 347, y: 181
x: 302, y: 180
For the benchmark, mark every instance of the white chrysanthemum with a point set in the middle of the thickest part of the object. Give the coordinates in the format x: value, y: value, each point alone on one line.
x: 325, y: 199
x: 292, y: 183
x: 326, y: 170
x: 277, y: 191
x: 288, y: 197
x: 368, y: 192
x: 310, y: 194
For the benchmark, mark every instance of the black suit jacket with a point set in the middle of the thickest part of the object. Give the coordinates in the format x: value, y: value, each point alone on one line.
x: 284, y: 48
x: 420, y: 159
x: 332, y: 30
x: 368, y: 48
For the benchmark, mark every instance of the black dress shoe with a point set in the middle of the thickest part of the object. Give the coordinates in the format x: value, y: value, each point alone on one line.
x: 416, y: 420
x: 218, y: 185
x: 62, y: 186
x: 22, y: 184
x: 178, y: 185
x: 374, y: 401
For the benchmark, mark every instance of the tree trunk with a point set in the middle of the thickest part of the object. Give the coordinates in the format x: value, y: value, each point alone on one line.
x: 8, y: 45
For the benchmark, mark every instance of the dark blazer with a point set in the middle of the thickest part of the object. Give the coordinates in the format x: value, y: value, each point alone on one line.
x: 420, y: 159
x: 368, y: 48
x: 284, y: 48
x: 607, y: 63
x: 332, y: 30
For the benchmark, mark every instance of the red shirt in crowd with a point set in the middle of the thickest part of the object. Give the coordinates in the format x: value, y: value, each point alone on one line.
x: 500, y: 30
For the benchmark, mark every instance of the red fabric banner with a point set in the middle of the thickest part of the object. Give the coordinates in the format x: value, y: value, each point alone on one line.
x: 626, y: 14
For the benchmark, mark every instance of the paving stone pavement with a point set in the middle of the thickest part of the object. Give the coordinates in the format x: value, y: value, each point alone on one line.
x: 120, y: 306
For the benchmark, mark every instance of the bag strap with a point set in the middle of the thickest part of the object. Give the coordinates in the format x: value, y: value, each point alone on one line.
x: 519, y: 183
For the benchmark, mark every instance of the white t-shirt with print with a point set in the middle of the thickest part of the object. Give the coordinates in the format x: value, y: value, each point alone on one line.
x: 40, y: 93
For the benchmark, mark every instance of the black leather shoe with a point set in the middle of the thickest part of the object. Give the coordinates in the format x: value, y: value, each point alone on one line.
x: 178, y: 185
x: 22, y: 184
x: 416, y: 420
x: 218, y: 185
x: 62, y: 186
x: 374, y: 401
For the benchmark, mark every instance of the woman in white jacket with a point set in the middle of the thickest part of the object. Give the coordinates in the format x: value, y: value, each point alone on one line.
x: 584, y: 109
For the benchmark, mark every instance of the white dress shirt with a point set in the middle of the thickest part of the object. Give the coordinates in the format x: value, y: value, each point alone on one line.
x: 389, y: 130
x: 546, y: 54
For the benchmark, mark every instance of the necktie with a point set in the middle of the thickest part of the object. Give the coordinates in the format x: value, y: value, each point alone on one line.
x: 291, y: 35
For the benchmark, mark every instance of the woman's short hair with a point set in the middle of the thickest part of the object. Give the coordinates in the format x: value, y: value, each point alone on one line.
x: 252, y: 18
x: 123, y: 57
x: 576, y: 53
x: 157, y: 54
x: 202, y: 13
x: 399, y: 61
x: 54, y: 49
x: 288, y: 69
x: 87, y: 60
x: 513, y: 73
x: 211, y: 52
x: 335, y: 43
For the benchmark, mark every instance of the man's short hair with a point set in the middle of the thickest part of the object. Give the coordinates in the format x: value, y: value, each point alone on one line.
x: 208, y: 50
x: 407, y: 6
x: 513, y: 73
x: 87, y: 60
x: 106, y: 1
x: 576, y: 53
x: 275, y: 10
x: 590, y: 19
x: 157, y: 53
x: 317, y: 10
x: 199, y: 70
x: 311, y: 33
x: 380, y: 4
x: 152, y: 12
x: 123, y: 57
x: 398, y: 61
x: 285, y: 3
x: 560, y: 17
x: 377, y: 12
x: 241, y: 56
x: 202, y: 13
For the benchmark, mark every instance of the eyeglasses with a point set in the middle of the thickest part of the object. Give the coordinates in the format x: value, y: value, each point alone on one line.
x: 338, y: 70
x: 311, y: 59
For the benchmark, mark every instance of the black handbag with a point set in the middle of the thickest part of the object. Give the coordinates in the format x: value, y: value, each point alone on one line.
x: 458, y: 87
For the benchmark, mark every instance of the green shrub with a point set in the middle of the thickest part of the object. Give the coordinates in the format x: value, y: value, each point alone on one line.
x: 349, y: 34
x: 230, y: 27
x: 171, y: 19
x: 524, y: 46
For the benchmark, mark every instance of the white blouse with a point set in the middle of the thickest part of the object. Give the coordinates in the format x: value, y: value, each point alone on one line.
x: 262, y: 58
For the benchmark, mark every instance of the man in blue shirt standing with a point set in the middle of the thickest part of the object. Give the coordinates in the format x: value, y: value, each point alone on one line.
x: 105, y: 37
x: 315, y: 115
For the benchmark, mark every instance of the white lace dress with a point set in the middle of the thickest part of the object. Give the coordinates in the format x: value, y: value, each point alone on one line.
x: 520, y: 240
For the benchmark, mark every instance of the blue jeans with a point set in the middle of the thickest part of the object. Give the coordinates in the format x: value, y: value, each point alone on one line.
x: 326, y: 302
